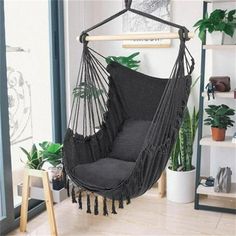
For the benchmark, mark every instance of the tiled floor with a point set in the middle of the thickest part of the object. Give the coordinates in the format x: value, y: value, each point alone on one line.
x: 147, y: 215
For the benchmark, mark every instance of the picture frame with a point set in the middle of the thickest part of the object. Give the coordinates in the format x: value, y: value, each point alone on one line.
x: 135, y: 24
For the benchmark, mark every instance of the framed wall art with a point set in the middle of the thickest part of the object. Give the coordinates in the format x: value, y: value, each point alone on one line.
x: 135, y: 24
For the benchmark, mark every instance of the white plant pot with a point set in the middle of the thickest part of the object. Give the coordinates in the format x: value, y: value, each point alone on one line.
x: 181, y: 186
x: 217, y: 38
x: 227, y: 40
x: 36, y: 182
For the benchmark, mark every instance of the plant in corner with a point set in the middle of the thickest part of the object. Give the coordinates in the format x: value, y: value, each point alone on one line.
x: 181, y: 172
x: 219, y: 120
x: 49, y: 153
x: 219, y: 20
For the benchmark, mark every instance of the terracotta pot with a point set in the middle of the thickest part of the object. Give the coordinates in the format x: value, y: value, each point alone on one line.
x: 218, y: 134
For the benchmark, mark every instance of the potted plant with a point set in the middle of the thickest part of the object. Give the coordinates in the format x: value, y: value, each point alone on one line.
x: 218, y: 21
x: 36, y: 158
x: 219, y: 120
x: 180, y: 171
x: 52, y: 153
x: 34, y: 161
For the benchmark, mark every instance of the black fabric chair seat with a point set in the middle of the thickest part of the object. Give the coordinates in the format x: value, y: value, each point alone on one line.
x: 105, y: 173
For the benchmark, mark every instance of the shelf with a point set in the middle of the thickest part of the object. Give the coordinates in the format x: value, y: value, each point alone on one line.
x: 229, y: 95
x: 38, y: 193
x: 210, y: 191
x: 207, y: 141
x: 215, y: 46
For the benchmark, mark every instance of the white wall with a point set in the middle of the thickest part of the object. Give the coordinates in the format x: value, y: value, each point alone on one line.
x: 80, y: 15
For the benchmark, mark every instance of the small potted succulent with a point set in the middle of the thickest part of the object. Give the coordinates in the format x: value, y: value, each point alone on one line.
x: 219, y: 21
x: 219, y: 120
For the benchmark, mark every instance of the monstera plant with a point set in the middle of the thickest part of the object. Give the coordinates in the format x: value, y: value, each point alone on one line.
x: 128, y: 61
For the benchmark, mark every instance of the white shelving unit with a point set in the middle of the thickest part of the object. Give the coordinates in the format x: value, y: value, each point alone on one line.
x: 214, y: 46
x: 227, y: 143
x: 210, y: 191
x: 207, y: 140
x: 229, y: 95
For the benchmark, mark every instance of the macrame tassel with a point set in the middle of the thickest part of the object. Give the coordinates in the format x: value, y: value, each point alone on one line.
x: 68, y: 187
x: 96, y: 205
x: 73, y: 195
x: 80, y: 200
x: 121, y: 205
x: 128, y: 200
x: 88, y: 204
x: 113, y: 207
x: 105, y: 211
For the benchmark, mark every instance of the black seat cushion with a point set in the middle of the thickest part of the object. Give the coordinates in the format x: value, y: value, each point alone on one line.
x: 128, y: 143
x: 104, y: 173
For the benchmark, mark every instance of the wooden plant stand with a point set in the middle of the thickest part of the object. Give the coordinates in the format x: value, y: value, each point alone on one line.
x: 47, y: 195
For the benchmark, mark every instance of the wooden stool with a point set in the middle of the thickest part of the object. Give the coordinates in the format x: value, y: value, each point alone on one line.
x: 47, y: 195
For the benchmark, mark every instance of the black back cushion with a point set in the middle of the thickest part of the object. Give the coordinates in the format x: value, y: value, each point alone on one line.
x: 139, y: 94
x: 128, y: 143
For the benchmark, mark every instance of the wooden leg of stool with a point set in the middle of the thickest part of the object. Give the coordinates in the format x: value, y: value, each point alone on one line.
x: 162, y: 184
x: 49, y: 204
x: 24, y: 204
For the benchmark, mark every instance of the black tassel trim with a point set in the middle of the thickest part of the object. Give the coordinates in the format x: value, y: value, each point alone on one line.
x: 80, y: 200
x: 73, y: 195
x: 68, y: 187
x: 88, y: 204
x: 113, y: 207
x: 121, y: 205
x: 128, y: 200
x: 96, y: 205
x: 105, y: 211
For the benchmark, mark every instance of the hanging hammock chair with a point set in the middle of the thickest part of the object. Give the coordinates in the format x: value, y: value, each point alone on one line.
x: 123, y: 124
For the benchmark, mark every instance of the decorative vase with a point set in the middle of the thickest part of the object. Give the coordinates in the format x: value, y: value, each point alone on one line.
x: 227, y: 40
x: 218, y: 134
x: 181, y: 185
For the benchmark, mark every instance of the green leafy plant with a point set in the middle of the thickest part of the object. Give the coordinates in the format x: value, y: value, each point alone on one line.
x: 87, y: 90
x: 128, y: 61
x: 49, y: 152
x: 34, y: 161
x: 219, y: 20
x: 181, y: 154
x: 219, y: 116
